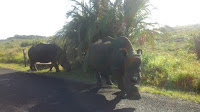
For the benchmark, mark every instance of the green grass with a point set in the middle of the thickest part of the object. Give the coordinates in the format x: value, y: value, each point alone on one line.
x: 15, y: 66
x: 191, y: 96
x: 170, y: 68
x: 11, y: 50
x: 180, y: 70
x: 79, y: 75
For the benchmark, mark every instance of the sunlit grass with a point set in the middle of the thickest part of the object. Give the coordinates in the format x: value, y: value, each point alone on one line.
x: 180, y: 70
x: 14, y: 66
x: 192, y: 96
x: 171, y: 69
x: 80, y: 76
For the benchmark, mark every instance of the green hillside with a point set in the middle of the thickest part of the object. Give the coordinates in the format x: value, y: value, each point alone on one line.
x: 172, y: 63
x: 11, y: 48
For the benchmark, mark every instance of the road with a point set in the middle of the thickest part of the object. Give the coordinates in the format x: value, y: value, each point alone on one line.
x: 29, y: 92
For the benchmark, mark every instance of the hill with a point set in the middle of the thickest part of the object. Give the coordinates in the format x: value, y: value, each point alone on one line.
x: 172, y: 63
x: 11, y: 48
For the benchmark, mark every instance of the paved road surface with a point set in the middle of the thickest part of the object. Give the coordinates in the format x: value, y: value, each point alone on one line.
x: 28, y: 92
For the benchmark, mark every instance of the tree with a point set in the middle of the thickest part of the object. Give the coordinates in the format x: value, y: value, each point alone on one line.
x: 96, y: 19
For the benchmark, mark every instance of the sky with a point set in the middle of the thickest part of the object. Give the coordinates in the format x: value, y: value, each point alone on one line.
x: 176, y: 12
x: 32, y: 17
x: 46, y: 17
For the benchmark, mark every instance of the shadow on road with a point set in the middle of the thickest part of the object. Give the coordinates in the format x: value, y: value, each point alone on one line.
x: 79, y: 101
x: 30, y: 92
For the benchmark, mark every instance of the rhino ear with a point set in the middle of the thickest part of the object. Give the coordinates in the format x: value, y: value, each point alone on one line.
x: 124, y: 51
x: 139, y: 51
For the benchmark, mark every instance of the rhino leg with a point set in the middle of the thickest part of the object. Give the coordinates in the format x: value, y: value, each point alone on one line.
x: 33, y: 67
x: 108, y: 80
x: 120, y: 83
x: 51, y: 66
x: 121, y: 87
x: 98, y: 78
x: 56, y: 66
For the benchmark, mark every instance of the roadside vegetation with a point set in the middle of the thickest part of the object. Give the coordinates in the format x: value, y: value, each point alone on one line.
x: 11, y: 49
x: 173, y: 64
x: 170, y: 64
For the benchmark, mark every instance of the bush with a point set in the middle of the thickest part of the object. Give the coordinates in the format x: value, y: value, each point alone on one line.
x: 28, y: 43
x: 180, y: 71
x: 36, y: 42
x: 25, y: 44
x: 197, y: 45
x: 12, y: 56
x: 8, y: 45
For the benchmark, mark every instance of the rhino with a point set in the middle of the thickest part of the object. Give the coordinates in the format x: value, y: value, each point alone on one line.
x: 116, y: 57
x: 45, y: 53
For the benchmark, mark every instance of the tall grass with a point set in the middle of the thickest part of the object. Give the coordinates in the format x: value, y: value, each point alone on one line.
x: 14, y: 55
x: 175, y: 71
x: 11, y: 50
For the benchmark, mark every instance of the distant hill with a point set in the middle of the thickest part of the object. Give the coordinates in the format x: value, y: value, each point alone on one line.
x: 181, y: 29
x: 22, y: 41
x: 27, y: 37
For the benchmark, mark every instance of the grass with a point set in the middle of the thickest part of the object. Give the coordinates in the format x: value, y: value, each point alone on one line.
x: 180, y: 70
x: 79, y: 75
x: 14, y: 66
x: 169, y: 69
x: 191, y: 96
x: 11, y: 49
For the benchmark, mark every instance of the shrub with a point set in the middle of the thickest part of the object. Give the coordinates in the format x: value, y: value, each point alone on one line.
x: 12, y: 56
x: 25, y: 44
x: 29, y: 43
x: 184, y: 81
x: 197, y: 45
x: 36, y: 42
x: 8, y: 45
x: 179, y: 71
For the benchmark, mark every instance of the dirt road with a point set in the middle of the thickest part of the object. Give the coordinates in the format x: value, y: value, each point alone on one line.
x: 28, y: 92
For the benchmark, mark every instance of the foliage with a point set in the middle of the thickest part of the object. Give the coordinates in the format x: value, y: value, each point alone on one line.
x: 172, y: 93
x: 197, y: 45
x: 171, y: 71
x: 96, y: 19
x: 12, y: 56
x: 30, y: 43
x: 25, y: 44
x: 172, y: 64
x: 185, y: 36
x: 11, y: 49
x: 27, y: 37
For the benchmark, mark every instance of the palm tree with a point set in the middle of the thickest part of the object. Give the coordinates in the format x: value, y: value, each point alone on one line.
x: 96, y: 19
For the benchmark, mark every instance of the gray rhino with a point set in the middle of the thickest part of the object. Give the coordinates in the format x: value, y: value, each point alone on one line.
x: 45, y: 53
x: 118, y: 58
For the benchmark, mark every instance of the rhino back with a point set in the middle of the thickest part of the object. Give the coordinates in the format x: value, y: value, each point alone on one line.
x: 123, y: 42
x: 99, y: 56
x: 105, y: 54
x: 43, y: 52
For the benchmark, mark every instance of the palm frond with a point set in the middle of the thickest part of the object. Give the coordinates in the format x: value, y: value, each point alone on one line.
x: 96, y: 19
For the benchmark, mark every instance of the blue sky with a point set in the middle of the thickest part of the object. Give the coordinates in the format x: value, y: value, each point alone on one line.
x: 46, y: 17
